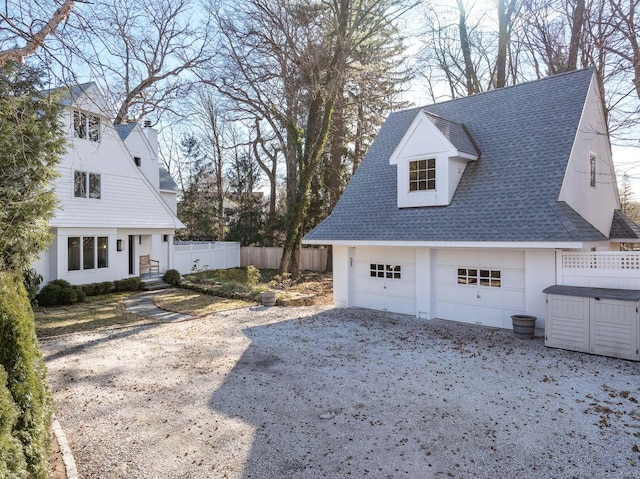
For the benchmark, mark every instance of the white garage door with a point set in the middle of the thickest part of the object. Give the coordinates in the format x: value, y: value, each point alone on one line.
x: 481, y: 287
x: 385, y: 279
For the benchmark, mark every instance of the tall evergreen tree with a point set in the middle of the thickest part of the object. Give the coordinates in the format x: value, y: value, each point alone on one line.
x: 31, y: 142
x: 246, y: 220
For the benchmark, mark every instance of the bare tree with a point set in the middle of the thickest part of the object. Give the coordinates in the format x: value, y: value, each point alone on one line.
x: 211, y: 125
x: 29, y: 23
x: 144, y: 52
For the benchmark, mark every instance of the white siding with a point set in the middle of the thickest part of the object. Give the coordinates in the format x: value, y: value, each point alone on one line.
x: 129, y: 203
x: 596, y: 205
x: 342, y: 266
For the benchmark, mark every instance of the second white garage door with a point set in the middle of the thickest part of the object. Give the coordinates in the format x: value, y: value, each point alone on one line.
x: 481, y: 287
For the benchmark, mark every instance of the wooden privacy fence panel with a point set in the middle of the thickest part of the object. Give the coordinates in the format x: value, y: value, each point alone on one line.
x: 311, y: 259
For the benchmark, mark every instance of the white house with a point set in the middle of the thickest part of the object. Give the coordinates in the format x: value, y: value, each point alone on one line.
x: 114, y: 202
x: 461, y: 209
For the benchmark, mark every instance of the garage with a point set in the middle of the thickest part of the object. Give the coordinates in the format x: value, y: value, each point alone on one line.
x: 480, y: 286
x: 385, y: 279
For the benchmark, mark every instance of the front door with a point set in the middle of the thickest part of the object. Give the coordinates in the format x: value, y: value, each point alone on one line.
x: 132, y: 255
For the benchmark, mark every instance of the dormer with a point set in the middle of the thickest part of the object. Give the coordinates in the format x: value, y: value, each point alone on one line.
x: 430, y: 160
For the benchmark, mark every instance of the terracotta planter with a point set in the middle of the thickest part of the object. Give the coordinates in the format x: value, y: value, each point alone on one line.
x: 268, y: 298
x: 523, y: 326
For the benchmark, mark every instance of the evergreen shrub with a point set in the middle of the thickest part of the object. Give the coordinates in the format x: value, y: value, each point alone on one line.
x: 172, y: 276
x: 12, y: 461
x: 21, y: 359
x: 128, y: 284
x: 60, y: 291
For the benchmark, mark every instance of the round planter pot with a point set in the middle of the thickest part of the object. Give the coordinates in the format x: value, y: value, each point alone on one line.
x: 523, y: 326
x: 268, y: 298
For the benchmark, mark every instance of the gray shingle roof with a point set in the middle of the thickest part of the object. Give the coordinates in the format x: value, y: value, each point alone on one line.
x: 622, y: 227
x: 525, y: 133
x: 456, y: 133
x: 166, y: 182
x: 125, y: 129
x: 71, y: 93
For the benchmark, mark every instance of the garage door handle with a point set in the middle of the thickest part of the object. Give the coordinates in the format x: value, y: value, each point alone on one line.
x: 478, y: 296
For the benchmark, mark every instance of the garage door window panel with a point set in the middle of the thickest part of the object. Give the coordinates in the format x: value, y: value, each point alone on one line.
x: 482, y: 277
x: 385, y: 271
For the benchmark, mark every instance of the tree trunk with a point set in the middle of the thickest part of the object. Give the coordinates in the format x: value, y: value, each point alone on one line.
x: 469, y: 70
x: 505, y: 12
x: 576, y: 34
x: 36, y: 39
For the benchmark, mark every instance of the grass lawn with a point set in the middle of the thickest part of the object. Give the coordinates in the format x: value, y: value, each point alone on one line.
x: 96, y: 312
x: 108, y: 311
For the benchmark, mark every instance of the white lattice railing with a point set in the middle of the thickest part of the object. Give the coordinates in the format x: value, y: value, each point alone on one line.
x: 611, y: 260
x: 606, y: 269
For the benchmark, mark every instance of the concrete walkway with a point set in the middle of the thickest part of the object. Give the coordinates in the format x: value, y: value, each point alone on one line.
x: 142, y: 304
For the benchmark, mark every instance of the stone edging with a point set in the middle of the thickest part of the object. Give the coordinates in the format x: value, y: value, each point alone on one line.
x: 67, y: 455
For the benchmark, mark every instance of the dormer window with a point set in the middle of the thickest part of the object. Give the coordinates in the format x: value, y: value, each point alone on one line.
x: 86, y: 126
x: 431, y: 158
x: 422, y: 175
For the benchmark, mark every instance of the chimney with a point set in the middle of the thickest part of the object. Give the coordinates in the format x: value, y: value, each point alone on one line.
x: 152, y: 137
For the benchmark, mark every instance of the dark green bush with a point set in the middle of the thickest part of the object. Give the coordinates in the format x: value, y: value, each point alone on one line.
x: 106, y: 287
x: 127, y: 284
x: 12, y: 462
x: 22, y: 360
x: 80, y: 294
x: 91, y: 289
x: 60, y: 291
x: 172, y: 276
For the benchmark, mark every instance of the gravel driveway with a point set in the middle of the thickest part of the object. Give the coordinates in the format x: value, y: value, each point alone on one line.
x: 321, y: 393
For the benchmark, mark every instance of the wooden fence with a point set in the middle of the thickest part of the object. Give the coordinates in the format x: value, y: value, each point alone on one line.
x: 311, y: 259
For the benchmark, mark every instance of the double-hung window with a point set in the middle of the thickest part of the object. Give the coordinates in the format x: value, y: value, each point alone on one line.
x: 86, y: 185
x: 86, y: 127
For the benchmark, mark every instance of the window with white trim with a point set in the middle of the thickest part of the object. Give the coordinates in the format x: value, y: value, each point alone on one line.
x: 592, y: 170
x: 86, y: 127
x: 87, y: 252
x: 86, y: 185
x: 480, y: 277
x: 422, y: 175
x: 388, y: 271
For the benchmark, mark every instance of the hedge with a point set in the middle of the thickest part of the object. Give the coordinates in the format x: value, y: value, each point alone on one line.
x: 21, y: 359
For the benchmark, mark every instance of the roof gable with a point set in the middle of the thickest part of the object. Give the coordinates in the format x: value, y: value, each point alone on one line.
x: 525, y: 133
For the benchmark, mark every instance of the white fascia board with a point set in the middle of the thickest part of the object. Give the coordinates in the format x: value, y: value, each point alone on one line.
x: 467, y: 156
x: 623, y: 240
x: 145, y: 231
x: 455, y: 244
